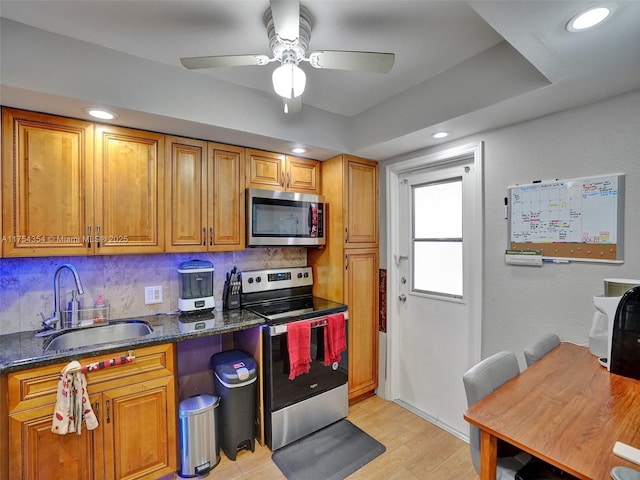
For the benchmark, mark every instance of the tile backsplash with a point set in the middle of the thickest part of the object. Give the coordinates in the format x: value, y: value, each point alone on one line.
x: 26, y: 284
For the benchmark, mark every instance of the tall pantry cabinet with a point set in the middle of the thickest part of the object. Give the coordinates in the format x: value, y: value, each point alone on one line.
x: 346, y: 268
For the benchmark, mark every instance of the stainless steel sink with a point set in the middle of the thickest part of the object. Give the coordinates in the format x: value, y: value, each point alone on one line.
x: 98, y: 334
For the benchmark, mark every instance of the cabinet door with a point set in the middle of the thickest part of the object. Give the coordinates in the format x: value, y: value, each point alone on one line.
x: 303, y: 175
x: 265, y: 170
x: 187, y: 198
x: 47, y: 184
x: 140, y: 430
x: 361, y: 295
x: 129, y: 215
x: 226, y: 192
x: 361, y: 202
x: 36, y: 453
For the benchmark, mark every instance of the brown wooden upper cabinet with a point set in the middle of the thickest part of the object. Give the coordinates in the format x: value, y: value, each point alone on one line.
x: 275, y: 171
x: 74, y: 188
x: 129, y: 191
x: 205, y: 196
x: 361, y: 196
x: 47, y: 172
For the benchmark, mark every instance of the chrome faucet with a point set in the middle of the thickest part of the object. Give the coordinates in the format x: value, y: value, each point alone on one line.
x: 50, y: 323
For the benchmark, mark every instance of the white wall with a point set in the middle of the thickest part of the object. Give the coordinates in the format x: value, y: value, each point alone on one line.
x: 522, y: 302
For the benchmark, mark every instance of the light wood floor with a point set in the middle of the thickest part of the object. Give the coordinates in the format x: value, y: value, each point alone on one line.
x: 416, y: 449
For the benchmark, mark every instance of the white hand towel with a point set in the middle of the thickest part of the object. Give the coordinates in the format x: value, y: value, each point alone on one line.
x: 83, y: 405
x: 72, y: 403
x: 63, y: 411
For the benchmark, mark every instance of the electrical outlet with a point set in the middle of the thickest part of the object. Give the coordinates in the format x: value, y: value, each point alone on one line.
x: 152, y: 295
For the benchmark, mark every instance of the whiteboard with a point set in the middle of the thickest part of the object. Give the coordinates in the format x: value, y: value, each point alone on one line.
x: 579, y: 218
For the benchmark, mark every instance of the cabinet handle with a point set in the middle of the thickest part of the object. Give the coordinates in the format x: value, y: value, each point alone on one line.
x: 210, y: 236
x: 282, y: 178
x: 346, y: 263
x: 346, y: 235
x: 288, y: 179
x: 96, y: 409
x: 108, y: 412
x: 204, y: 236
x: 98, y: 234
x: 89, y: 234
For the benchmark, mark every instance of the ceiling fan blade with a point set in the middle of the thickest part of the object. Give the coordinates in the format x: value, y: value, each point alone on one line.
x: 292, y: 105
x: 375, y: 62
x: 286, y: 18
x: 193, y: 63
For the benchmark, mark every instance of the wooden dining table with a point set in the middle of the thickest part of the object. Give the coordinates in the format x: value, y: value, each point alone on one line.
x: 565, y: 409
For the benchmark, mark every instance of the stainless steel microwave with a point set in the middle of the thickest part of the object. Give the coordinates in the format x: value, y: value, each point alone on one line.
x: 277, y: 218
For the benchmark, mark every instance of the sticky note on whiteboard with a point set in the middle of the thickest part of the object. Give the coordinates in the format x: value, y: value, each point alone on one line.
x: 532, y: 258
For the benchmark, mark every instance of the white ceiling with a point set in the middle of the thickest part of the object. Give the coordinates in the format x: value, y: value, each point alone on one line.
x: 463, y: 66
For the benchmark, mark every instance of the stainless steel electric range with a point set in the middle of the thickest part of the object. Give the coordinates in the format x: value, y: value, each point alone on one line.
x: 295, y: 408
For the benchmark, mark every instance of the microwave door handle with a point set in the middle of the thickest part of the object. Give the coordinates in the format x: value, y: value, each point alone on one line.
x: 313, y: 219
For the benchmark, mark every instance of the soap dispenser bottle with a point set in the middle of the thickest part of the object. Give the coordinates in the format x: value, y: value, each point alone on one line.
x: 73, y: 309
x: 100, y: 312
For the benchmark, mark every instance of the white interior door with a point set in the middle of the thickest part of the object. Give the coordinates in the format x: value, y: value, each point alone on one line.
x: 435, y: 284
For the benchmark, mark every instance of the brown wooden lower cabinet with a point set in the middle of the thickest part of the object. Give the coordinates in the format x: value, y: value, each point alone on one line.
x: 37, y: 453
x: 361, y: 295
x: 136, y: 409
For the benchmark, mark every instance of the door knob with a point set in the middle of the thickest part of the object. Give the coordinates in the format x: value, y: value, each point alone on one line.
x: 402, y: 298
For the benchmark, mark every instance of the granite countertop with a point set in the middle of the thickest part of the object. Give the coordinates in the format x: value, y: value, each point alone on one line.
x: 22, y: 350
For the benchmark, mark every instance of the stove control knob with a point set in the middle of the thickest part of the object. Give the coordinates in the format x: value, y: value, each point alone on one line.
x: 306, y: 274
x: 250, y: 280
x: 300, y: 275
x: 258, y: 279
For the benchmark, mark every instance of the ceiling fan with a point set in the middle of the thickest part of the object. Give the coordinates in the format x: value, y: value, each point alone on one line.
x: 289, y: 27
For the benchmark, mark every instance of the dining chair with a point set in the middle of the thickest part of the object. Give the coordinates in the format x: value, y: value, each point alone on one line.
x: 625, y: 473
x: 540, y: 348
x: 479, y: 381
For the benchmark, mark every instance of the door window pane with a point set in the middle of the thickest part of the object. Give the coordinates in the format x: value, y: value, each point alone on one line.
x: 438, y: 210
x: 437, y: 238
x: 439, y: 267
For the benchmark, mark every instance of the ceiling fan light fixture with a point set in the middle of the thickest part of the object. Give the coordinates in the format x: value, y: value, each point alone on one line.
x: 289, y: 80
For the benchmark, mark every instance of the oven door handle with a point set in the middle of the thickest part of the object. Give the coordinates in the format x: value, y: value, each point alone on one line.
x: 275, y: 330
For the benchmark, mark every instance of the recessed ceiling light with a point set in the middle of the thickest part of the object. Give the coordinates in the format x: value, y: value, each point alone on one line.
x: 100, y: 113
x: 440, y: 134
x: 588, y: 18
x: 298, y: 150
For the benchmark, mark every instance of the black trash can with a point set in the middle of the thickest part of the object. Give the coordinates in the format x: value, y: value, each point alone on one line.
x: 235, y: 379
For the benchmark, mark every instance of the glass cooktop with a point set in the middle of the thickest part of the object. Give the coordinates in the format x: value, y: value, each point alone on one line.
x: 296, y: 308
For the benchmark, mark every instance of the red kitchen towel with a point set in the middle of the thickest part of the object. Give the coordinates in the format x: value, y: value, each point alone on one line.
x: 299, y: 345
x: 335, y: 340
